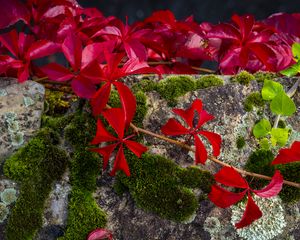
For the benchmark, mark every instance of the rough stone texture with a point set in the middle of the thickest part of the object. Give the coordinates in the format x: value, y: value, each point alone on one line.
x: 128, y: 222
x: 21, y: 107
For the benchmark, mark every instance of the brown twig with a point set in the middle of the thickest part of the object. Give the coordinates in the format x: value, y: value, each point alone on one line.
x: 212, y: 158
x: 206, y: 70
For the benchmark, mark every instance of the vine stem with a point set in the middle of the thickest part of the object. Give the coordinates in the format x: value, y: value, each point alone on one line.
x: 290, y: 93
x: 212, y: 158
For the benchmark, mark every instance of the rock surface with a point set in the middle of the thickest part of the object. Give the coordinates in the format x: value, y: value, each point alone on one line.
x: 21, y: 107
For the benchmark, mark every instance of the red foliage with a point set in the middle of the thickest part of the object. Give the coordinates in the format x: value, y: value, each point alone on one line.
x: 228, y: 176
x: 99, y: 234
x: 174, y: 128
x: 288, y: 155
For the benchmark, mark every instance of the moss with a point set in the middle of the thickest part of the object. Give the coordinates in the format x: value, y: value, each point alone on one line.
x: 262, y: 76
x: 56, y: 123
x: 145, y: 85
x: 36, y: 166
x: 208, y: 81
x: 57, y: 103
x: 260, y: 162
x: 173, y: 87
x: 281, y: 124
x: 240, y: 142
x: 158, y: 185
x: 84, y: 213
x: 243, y: 77
x: 253, y: 100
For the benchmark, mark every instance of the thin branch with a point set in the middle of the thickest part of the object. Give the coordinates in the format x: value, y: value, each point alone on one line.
x: 212, y: 158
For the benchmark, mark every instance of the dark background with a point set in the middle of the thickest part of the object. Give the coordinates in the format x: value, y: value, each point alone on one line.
x: 212, y: 11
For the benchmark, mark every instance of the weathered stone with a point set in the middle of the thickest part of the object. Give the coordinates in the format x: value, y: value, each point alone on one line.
x: 21, y: 107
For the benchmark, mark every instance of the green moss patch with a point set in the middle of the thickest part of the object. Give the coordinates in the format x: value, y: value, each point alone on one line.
x: 208, y: 81
x: 260, y: 162
x: 158, y: 185
x: 253, y: 100
x: 240, y: 142
x: 243, y: 77
x: 36, y: 166
x: 262, y: 76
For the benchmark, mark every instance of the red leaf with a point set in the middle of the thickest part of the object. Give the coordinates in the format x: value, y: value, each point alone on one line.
x: 23, y: 73
x: 7, y: 62
x: 105, y: 152
x: 99, y: 234
x: 200, y: 153
x: 214, y: 139
x: 273, y: 188
x: 230, y: 177
x: 100, y: 99
x: 10, y: 41
x: 42, y: 48
x: 115, y: 118
x: 204, y: 117
x: 56, y: 72
x: 11, y: 12
x: 288, y: 155
x: 137, y: 148
x: 223, y: 198
x: 135, y: 50
x: 72, y: 49
x: 83, y: 87
x: 120, y: 163
x: 251, y: 213
x: 189, y: 114
x: 102, y: 135
x: 127, y: 100
x: 173, y: 128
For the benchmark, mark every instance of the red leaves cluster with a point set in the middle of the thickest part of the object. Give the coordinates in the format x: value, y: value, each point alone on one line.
x: 288, y: 155
x: 195, y: 112
x: 228, y: 176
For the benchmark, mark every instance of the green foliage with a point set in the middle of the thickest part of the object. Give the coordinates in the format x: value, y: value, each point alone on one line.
x: 173, y: 87
x: 208, y: 81
x: 282, y: 104
x: 159, y: 185
x: 243, y: 77
x: 279, y: 136
x: 260, y: 162
x: 36, y: 166
x: 294, y: 69
x: 240, y: 142
x: 271, y: 89
x: 253, y: 100
x: 262, y: 128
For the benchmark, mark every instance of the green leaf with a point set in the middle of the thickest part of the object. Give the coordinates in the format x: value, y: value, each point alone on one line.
x: 262, y: 128
x: 271, y: 89
x: 279, y: 136
x: 264, y: 144
x: 296, y: 50
x: 291, y: 71
x: 282, y: 104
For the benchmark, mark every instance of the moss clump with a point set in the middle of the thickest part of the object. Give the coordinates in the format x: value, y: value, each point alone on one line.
x: 56, y: 123
x: 36, y: 166
x: 260, y: 162
x: 3, y: 212
x: 173, y: 87
x: 208, y: 81
x: 159, y: 185
x: 145, y: 85
x: 240, y: 142
x: 253, y: 100
x: 84, y: 213
x: 262, y: 76
x: 281, y: 124
x: 243, y: 77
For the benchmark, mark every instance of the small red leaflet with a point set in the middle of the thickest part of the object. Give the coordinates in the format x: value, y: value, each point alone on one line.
x: 99, y: 234
x: 228, y: 176
x: 288, y: 155
x: 116, y: 119
x: 174, y: 128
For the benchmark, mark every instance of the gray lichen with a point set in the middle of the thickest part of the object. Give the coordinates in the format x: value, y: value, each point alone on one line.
x: 3, y: 212
x: 28, y: 101
x: 268, y: 226
x: 9, y: 196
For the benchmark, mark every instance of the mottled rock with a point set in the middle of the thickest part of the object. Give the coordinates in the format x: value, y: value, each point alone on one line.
x: 21, y: 107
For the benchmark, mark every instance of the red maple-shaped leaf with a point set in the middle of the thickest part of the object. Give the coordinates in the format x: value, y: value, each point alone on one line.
x: 223, y: 198
x: 175, y: 128
x: 116, y: 119
x: 100, y: 233
x: 288, y: 155
x: 24, y: 48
